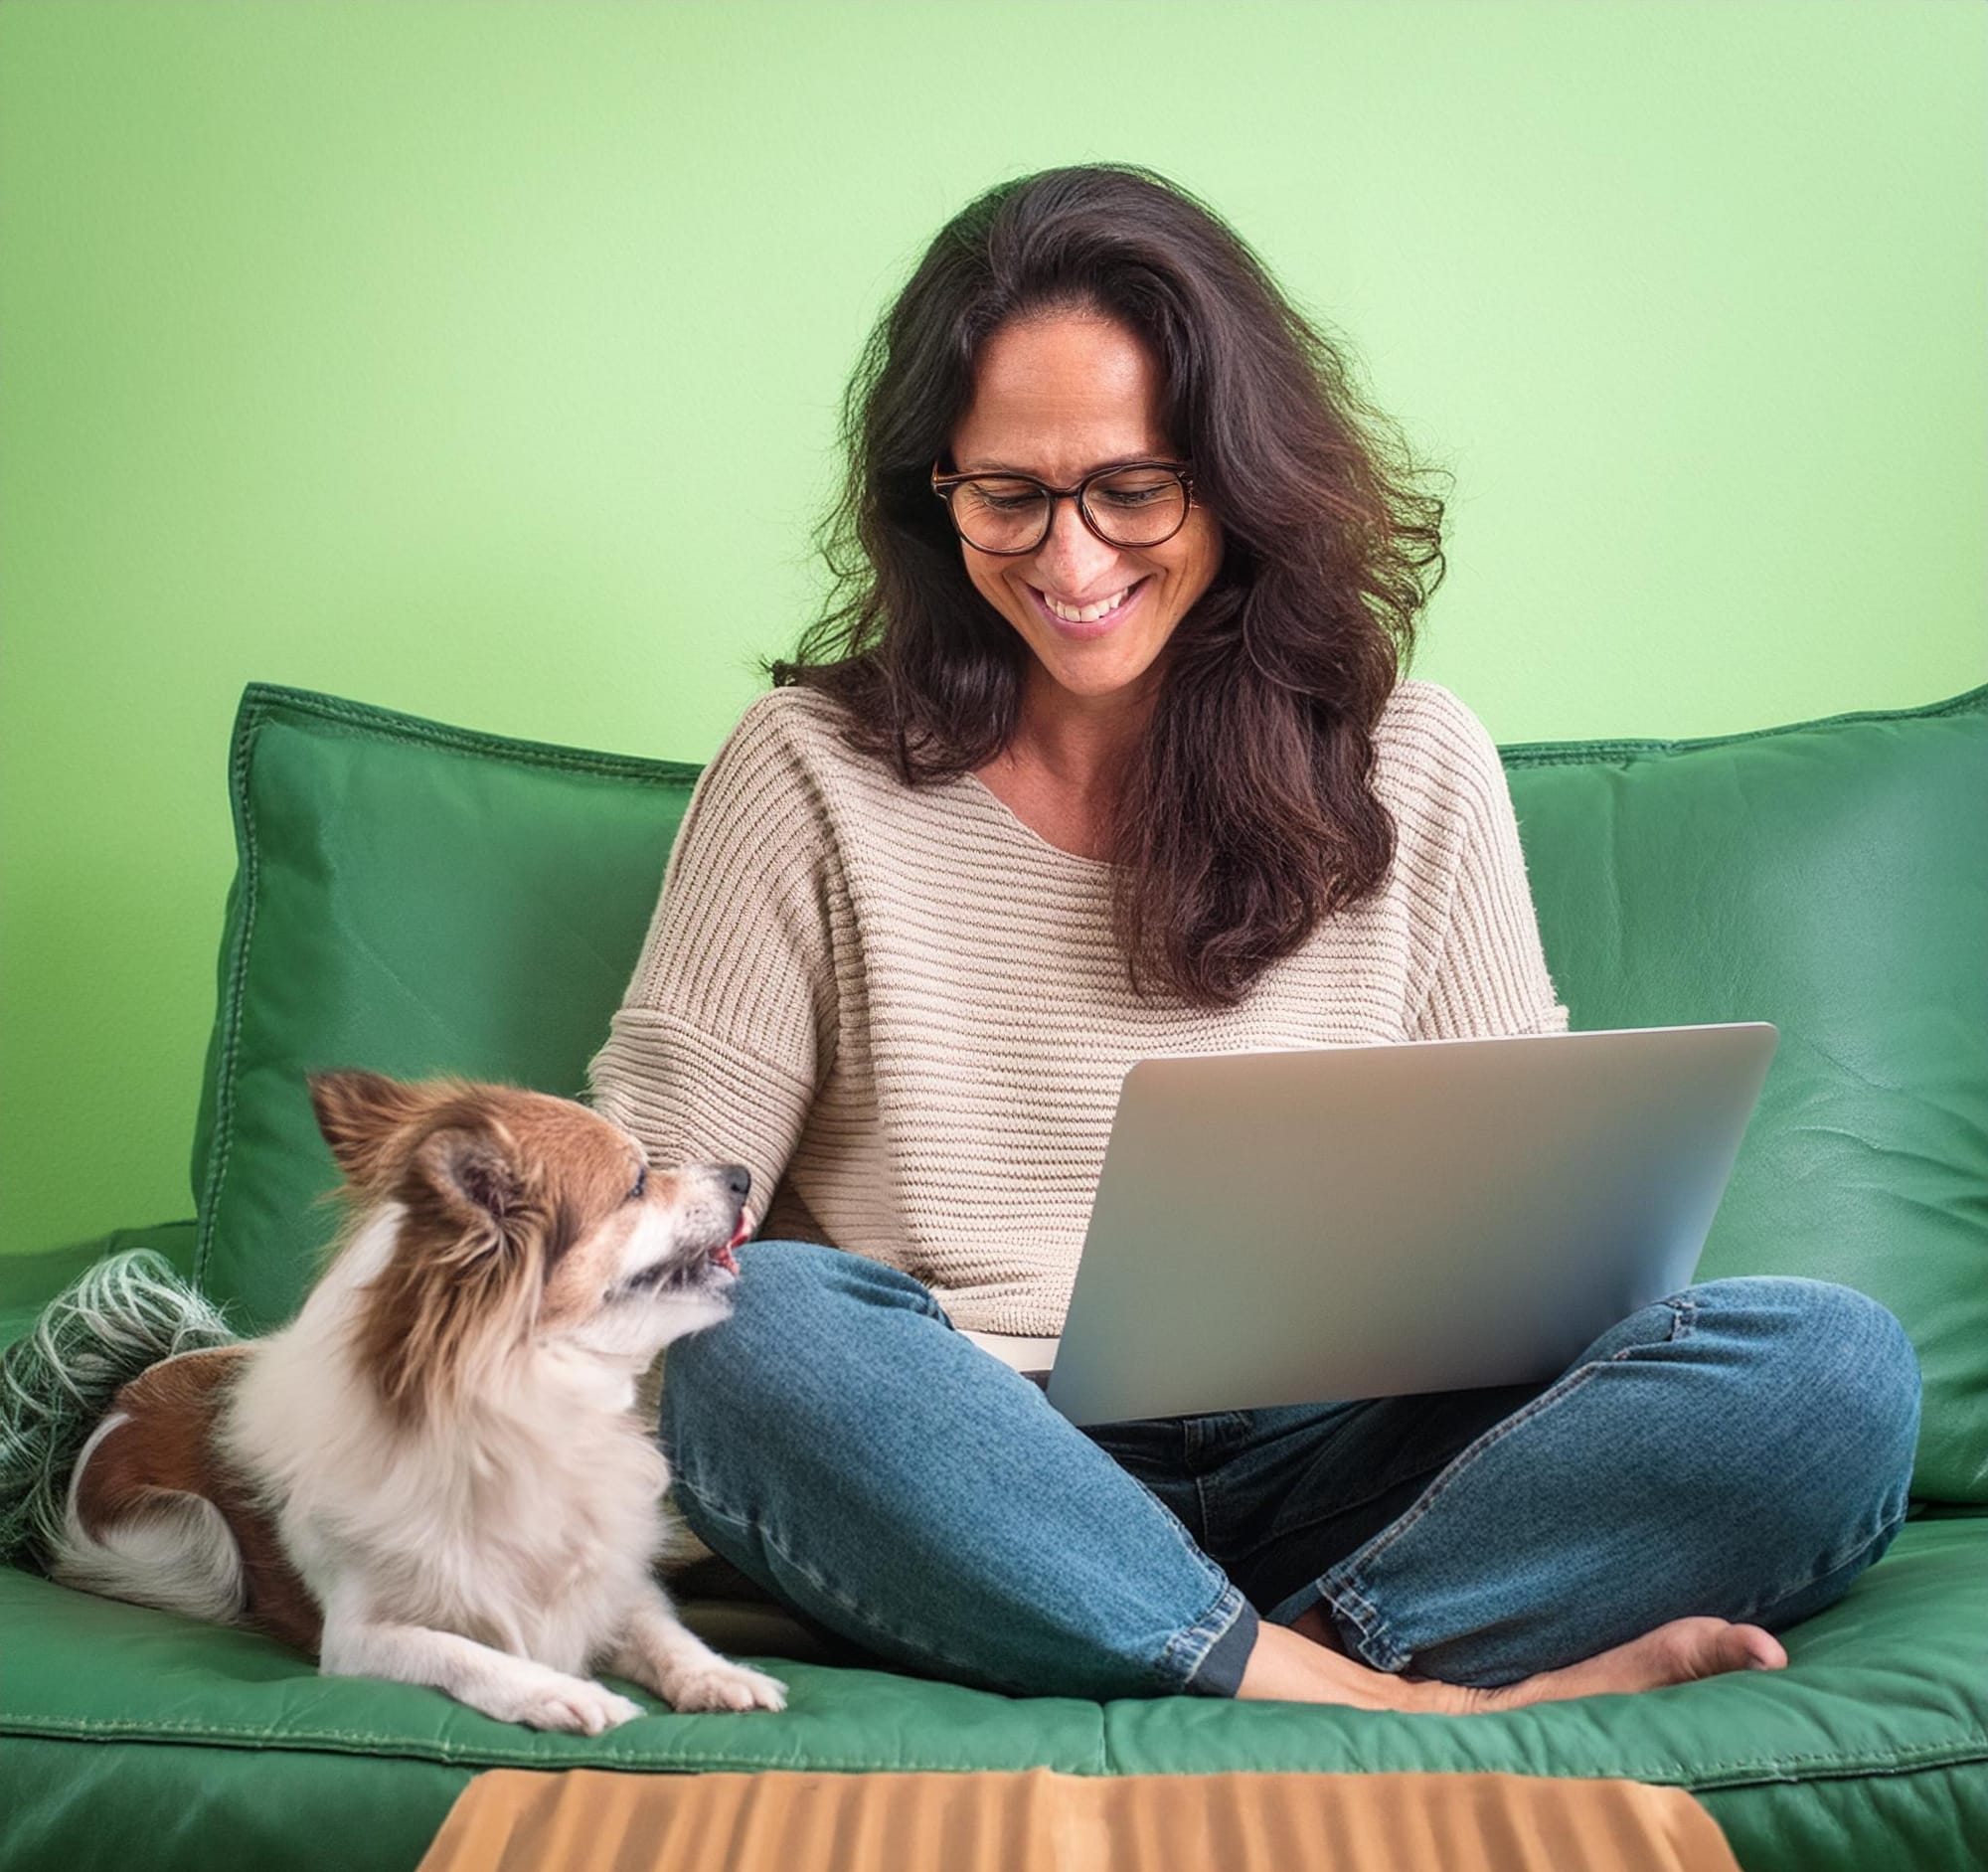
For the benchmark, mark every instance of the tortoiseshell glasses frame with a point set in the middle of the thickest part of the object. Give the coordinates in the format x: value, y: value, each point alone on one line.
x: 945, y: 486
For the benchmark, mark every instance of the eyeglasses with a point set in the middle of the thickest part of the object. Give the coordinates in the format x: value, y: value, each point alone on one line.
x: 1138, y: 503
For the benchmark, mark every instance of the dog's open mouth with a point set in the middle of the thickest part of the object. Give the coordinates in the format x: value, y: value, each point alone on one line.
x: 685, y: 1273
x: 680, y: 1274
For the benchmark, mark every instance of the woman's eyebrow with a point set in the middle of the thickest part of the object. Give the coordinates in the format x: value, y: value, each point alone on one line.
x: 1116, y: 462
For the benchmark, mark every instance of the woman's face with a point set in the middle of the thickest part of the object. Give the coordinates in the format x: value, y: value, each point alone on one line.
x: 1057, y: 397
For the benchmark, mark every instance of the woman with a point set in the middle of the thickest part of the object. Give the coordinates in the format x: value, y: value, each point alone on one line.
x: 1104, y: 753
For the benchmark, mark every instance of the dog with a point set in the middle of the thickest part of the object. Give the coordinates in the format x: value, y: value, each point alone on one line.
x: 433, y: 1474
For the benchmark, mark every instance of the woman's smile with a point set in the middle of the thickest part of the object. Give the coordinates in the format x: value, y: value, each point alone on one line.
x: 1075, y: 618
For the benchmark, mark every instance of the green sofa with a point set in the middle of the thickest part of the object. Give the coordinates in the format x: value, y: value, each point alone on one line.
x: 416, y: 898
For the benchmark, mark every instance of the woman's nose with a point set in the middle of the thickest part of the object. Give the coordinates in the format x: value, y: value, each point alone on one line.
x: 1073, y: 559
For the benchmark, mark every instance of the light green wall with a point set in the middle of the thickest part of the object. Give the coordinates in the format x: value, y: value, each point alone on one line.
x: 480, y: 360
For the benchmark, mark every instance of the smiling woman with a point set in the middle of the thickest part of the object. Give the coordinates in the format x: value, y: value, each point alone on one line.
x: 1106, y: 753
x: 1067, y: 395
x: 1090, y: 318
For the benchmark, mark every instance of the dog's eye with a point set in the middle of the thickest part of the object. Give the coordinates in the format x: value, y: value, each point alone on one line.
x: 641, y: 1183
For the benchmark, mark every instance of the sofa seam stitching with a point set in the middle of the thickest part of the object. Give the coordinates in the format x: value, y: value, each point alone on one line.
x: 1550, y: 753
x: 414, y: 731
x: 1953, y: 1754
x: 88, y: 1728
x: 208, y: 1204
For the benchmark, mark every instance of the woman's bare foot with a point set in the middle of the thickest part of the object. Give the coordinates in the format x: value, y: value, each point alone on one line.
x: 1679, y: 1652
x: 1287, y: 1666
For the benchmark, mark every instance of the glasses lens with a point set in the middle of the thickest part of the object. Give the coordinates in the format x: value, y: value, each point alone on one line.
x: 999, y: 515
x: 1137, y: 507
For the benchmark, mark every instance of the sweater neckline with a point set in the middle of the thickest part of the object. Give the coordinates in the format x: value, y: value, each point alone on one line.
x: 1018, y: 828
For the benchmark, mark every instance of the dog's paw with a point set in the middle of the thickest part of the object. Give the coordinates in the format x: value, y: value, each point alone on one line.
x: 574, y: 1705
x: 719, y: 1685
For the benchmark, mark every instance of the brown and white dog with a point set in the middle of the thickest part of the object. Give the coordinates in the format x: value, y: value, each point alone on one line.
x: 433, y: 1473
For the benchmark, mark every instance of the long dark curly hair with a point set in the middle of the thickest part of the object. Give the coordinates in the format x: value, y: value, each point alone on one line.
x: 1249, y: 813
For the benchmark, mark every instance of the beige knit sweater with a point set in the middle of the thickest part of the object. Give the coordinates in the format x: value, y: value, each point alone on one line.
x: 904, y: 1012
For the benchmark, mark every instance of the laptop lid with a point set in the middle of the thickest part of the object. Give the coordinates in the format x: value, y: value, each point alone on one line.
x: 1349, y: 1221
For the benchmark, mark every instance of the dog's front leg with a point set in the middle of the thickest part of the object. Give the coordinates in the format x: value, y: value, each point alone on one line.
x: 663, y: 1654
x: 512, y: 1690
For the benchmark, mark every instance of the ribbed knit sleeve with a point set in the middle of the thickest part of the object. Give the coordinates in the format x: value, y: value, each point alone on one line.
x: 728, y: 1021
x: 1491, y: 977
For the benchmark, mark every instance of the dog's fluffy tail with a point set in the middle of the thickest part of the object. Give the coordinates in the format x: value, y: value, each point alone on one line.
x: 123, y: 1316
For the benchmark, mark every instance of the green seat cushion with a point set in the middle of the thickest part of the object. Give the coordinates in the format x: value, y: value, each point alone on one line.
x: 1871, y: 1750
x: 416, y: 898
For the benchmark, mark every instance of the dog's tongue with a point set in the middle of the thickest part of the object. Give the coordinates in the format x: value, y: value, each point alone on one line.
x: 723, y: 1256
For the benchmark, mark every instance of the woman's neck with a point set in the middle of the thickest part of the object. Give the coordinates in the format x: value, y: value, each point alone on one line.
x: 1060, y: 772
x: 1078, y: 744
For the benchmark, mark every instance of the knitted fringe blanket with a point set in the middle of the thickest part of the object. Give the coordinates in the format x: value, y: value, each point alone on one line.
x: 123, y: 1315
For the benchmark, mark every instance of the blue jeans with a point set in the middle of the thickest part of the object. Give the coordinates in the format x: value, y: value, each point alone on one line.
x: 1741, y: 1448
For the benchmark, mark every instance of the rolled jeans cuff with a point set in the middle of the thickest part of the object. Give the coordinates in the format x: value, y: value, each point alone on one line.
x: 1210, y: 1657
x: 1362, y: 1630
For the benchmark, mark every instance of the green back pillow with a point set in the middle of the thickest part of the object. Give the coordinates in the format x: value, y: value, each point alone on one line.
x: 415, y: 899
x: 420, y: 899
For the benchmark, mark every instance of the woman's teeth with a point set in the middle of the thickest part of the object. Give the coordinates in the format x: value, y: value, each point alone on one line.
x: 1087, y: 613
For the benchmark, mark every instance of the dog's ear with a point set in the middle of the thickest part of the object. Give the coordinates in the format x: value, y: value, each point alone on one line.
x: 474, y: 1174
x: 358, y: 1112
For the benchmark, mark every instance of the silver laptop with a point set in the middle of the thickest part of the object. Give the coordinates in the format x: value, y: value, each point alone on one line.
x: 1356, y: 1221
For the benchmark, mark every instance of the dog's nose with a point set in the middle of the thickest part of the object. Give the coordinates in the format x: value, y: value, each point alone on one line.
x: 737, y: 1179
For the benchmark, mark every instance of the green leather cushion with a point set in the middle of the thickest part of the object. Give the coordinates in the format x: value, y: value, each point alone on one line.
x: 411, y: 897
x: 420, y: 899
x: 1831, y: 878
x: 131, y: 1737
